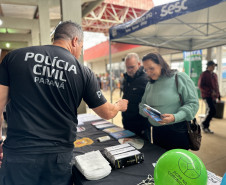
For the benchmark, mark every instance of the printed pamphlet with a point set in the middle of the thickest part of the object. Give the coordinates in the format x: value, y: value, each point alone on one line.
x: 113, y: 129
x: 122, y: 134
x: 153, y: 113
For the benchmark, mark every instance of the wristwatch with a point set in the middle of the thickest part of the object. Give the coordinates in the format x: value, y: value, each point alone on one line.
x: 1, y: 141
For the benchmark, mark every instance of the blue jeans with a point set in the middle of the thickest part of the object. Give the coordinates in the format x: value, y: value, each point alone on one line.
x: 36, y: 169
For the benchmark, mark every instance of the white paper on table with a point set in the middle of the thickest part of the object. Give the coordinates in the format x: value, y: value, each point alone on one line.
x: 87, y: 117
x: 213, y: 179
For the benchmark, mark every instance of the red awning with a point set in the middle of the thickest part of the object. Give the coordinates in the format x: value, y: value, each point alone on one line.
x: 102, y: 50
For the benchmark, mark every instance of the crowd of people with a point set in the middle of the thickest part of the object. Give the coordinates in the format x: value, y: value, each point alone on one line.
x: 105, y: 81
x: 42, y: 108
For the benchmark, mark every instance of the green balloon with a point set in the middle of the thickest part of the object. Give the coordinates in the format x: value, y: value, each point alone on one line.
x: 180, y: 167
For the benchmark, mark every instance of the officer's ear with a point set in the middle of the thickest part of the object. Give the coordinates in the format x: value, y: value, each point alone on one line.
x: 74, y: 41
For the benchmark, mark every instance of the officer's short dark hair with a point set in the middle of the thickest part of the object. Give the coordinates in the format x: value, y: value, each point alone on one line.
x: 68, y: 30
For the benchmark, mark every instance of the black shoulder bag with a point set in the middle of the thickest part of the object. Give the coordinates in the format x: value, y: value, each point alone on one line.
x: 194, y: 130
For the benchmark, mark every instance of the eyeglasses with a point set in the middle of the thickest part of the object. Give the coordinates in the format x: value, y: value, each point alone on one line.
x: 130, y: 67
x: 148, y: 69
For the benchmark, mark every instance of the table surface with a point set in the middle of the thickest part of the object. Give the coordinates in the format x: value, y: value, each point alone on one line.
x: 133, y: 174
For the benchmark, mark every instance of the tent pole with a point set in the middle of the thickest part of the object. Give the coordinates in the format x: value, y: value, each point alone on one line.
x: 110, y: 70
x: 219, y: 67
x: 189, y: 72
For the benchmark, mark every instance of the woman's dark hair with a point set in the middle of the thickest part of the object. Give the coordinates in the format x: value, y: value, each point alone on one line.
x: 157, y: 58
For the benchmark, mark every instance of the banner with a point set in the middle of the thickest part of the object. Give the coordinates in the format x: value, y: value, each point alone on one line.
x: 224, y: 70
x: 193, y: 66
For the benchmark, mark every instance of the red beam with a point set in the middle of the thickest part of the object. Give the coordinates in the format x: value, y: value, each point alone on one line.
x: 102, y: 50
x: 139, y: 4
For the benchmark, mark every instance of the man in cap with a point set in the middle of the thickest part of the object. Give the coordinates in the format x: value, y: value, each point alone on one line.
x: 209, y: 88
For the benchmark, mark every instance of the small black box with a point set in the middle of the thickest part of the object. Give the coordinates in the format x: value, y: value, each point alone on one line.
x: 219, y: 110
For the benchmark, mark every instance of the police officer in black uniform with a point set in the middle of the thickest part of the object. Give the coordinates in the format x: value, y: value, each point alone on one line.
x: 43, y: 86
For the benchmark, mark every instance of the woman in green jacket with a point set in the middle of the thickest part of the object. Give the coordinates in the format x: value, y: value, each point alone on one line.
x: 161, y: 93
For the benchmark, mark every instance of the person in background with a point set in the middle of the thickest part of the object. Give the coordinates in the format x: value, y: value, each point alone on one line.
x: 161, y: 93
x: 108, y: 78
x: 134, y: 84
x: 99, y: 80
x: 43, y: 86
x: 208, y: 85
x: 102, y: 81
x: 105, y: 81
x: 112, y: 82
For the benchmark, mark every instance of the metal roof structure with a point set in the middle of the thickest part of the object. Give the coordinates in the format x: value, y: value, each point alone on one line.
x: 110, y: 13
x: 18, y: 16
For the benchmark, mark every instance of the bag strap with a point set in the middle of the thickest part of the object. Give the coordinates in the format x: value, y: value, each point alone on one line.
x: 176, y: 80
x: 181, y: 101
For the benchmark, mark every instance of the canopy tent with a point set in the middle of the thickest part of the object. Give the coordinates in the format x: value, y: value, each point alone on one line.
x: 184, y: 25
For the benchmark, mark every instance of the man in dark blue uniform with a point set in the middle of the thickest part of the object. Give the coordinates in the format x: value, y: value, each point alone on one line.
x: 43, y: 87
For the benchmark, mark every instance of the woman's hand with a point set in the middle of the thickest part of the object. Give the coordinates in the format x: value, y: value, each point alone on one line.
x: 166, y: 118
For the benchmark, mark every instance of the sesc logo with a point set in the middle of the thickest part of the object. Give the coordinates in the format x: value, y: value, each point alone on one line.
x: 177, y: 7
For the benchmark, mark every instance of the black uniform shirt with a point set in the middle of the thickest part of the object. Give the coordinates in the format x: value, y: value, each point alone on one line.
x: 46, y: 85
